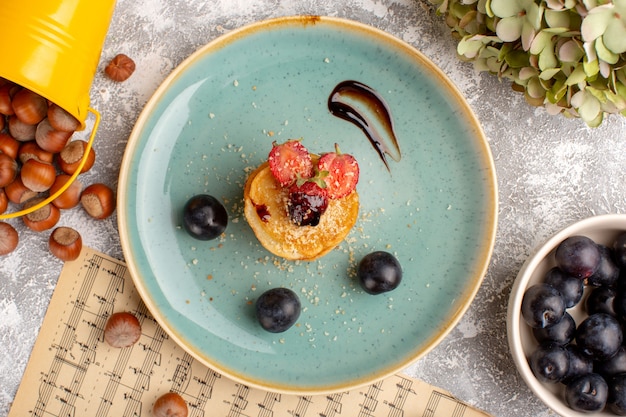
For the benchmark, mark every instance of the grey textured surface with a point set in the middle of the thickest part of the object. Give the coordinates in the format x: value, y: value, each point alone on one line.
x: 551, y: 172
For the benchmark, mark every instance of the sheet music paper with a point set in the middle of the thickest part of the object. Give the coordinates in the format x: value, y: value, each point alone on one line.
x: 72, y: 372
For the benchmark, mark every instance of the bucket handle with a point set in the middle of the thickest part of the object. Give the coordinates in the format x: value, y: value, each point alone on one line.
x: 69, y: 182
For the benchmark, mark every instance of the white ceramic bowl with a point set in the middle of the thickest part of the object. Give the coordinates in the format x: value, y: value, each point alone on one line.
x: 602, y: 229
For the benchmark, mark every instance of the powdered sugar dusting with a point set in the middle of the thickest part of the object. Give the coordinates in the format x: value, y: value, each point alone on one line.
x: 10, y: 314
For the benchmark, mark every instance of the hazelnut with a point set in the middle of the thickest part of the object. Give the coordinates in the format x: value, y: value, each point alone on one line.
x: 18, y: 193
x: 4, y: 201
x: 71, y: 196
x: 8, y: 238
x: 49, y: 139
x: 38, y: 176
x: 30, y: 149
x: 6, y: 94
x: 122, y: 330
x: 8, y: 169
x: 170, y: 404
x: 29, y: 106
x: 120, y: 68
x: 98, y: 200
x: 61, y: 119
x: 43, y: 218
x: 8, y: 144
x: 69, y: 158
x: 20, y: 130
x: 65, y: 243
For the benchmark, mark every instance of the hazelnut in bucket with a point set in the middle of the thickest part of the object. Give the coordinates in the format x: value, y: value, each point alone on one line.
x: 45, y: 77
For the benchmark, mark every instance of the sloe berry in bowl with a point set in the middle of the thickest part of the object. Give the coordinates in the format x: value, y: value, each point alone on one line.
x: 581, y: 371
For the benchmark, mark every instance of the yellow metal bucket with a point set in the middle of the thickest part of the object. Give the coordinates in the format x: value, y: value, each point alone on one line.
x: 52, y: 47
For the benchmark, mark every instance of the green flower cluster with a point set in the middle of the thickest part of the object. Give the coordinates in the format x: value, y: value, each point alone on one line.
x: 566, y: 55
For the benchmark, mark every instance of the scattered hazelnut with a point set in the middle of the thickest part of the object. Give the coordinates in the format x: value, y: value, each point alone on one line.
x: 170, y: 404
x: 120, y: 68
x: 98, y: 200
x: 65, y: 243
x: 122, y: 330
x: 8, y: 238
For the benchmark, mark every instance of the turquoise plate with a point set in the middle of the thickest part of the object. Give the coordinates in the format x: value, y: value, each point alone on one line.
x: 214, y: 119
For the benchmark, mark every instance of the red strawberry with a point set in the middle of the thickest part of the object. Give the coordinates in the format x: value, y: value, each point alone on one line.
x: 290, y: 160
x: 341, y: 173
x: 307, y: 202
x: 122, y: 330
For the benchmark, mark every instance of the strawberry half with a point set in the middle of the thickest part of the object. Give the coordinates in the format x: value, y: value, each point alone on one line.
x: 289, y: 161
x: 341, y: 173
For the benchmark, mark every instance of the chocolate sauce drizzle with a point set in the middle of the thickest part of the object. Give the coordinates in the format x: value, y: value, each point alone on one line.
x: 364, y: 107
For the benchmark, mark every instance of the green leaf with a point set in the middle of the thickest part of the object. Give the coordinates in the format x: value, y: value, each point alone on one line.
x: 509, y: 29
x: 599, y: 95
x: 443, y: 8
x: 571, y: 51
x: 527, y: 36
x: 505, y: 8
x: 589, y: 108
x: 527, y: 73
x: 558, y: 91
x: 621, y: 77
x: 547, y: 59
x: 557, y: 19
x: 534, y: 14
x: 482, y: 6
x: 615, y: 35
x: 549, y: 73
x: 617, y: 100
x: 459, y: 10
x: 591, y: 68
x: 577, y: 76
x: 469, y: 22
x: 604, y: 54
x: 517, y: 59
x: 590, y: 4
x: 535, y: 89
x: 494, y: 65
x: 468, y: 47
x: 595, y: 23
x: 542, y: 40
x: 488, y: 10
x: 595, y: 122
x: 490, y: 52
x: 504, y: 50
